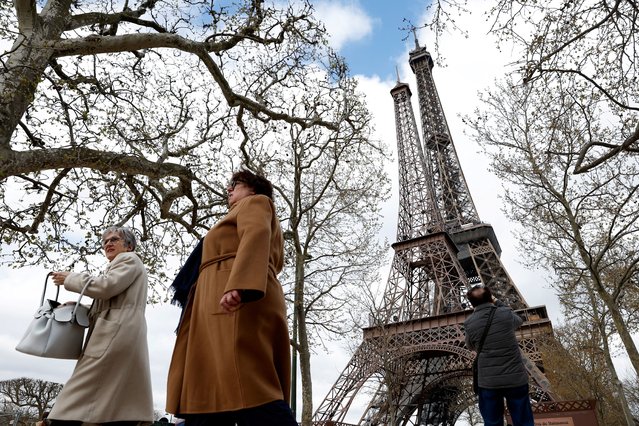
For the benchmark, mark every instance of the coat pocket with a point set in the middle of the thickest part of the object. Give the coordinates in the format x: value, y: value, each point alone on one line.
x: 101, y: 337
x: 215, y: 290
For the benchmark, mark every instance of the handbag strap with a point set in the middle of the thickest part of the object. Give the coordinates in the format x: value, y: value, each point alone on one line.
x: 44, y: 291
x: 80, y: 298
x: 483, y: 337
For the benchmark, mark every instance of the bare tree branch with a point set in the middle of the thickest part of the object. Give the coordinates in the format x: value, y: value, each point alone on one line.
x: 24, y: 162
x: 27, y: 16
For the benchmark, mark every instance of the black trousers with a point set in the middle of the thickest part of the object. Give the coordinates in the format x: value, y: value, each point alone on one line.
x: 276, y: 413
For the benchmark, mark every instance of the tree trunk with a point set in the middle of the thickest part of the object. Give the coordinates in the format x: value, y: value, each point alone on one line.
x: 303, y: 344
x: 610, y: 365
x: 294, y: 364
x: 608, y: 300
x: 27, y: 61
x: 622, y: 329
x: 305, y: 370
x: 617, y: 318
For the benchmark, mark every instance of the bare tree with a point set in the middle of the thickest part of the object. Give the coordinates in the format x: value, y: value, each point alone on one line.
x: 579, y: 369
x: 585, y: 309
x: 631, y: 387
x: 584, y: 228
x: 114, y: 116
x: 330, y: 185
x: 472, y: 415
x: 592, y: 41
x: 32, y: 396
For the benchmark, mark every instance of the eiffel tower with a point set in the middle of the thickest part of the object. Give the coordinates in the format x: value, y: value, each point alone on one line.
x: 413, y: 367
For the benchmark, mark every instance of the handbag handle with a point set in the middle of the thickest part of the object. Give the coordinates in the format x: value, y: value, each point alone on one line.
x: 75, y: 308
x: 44, y: 292
x: 57, y: 293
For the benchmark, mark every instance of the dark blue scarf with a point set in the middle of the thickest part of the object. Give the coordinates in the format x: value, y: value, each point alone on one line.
x: 187, y: 276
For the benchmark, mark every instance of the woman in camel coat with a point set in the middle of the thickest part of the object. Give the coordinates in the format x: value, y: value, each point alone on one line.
x: 231, y: 362
x: 112, y: 379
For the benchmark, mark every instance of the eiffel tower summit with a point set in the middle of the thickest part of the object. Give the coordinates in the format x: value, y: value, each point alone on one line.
x: 412, y: 366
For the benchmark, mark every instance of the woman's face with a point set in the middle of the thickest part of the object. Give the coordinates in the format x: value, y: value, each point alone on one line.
x: 113, y: 244
x: 238, y: 190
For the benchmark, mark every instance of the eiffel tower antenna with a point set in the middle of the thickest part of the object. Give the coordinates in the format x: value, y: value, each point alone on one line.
x: 414, y: 30
x: 413, y: 352
x: 397, y: 72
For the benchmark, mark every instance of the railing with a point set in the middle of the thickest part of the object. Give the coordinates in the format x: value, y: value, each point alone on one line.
x: 564, y: 406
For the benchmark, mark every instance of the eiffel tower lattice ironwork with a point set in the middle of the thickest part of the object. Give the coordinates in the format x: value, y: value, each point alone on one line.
x: 413, y: 353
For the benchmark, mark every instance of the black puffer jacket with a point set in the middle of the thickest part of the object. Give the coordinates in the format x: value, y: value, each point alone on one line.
x: 500, y: 363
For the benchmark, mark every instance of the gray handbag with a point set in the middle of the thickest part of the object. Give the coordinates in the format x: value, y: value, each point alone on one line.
x: 57, y: 330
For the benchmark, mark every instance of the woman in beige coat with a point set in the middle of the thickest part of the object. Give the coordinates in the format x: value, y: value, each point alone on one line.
x: 231, y: 362
x: 111, y: 382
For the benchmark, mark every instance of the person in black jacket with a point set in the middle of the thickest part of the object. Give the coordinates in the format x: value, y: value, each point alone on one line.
x: 501, y: 372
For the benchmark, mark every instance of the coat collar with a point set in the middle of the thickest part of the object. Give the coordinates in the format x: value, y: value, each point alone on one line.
x: 483, y: 306
x: 242, y: 201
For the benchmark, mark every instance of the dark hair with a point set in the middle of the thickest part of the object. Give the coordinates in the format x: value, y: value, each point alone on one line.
x: 479, y: 295
x: 259, y: 184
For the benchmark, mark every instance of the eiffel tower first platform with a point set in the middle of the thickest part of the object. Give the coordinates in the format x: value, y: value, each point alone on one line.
x: 413, y: 367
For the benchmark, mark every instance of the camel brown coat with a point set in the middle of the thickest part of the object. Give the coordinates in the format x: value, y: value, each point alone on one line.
x: 112, y: 379
x: 230, y: 361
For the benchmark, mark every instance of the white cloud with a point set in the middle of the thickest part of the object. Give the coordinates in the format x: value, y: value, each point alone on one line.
x: 344, y: 22
x: 380, y: 104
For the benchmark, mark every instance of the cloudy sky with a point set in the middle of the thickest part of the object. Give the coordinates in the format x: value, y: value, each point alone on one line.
x: 367, y: 33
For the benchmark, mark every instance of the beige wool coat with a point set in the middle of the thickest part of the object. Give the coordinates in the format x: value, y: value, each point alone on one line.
x: 112, y: 379
x: 230, y: 361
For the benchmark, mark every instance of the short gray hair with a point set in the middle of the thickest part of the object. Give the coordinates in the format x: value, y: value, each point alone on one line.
x: 125, y: 233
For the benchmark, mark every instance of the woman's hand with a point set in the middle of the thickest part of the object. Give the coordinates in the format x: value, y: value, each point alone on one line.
x: 59, y: 277
x: 231, y: 301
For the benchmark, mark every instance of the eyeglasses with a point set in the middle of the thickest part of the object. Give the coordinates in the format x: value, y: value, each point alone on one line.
x: 110, y: 240
x: 233, y: 183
